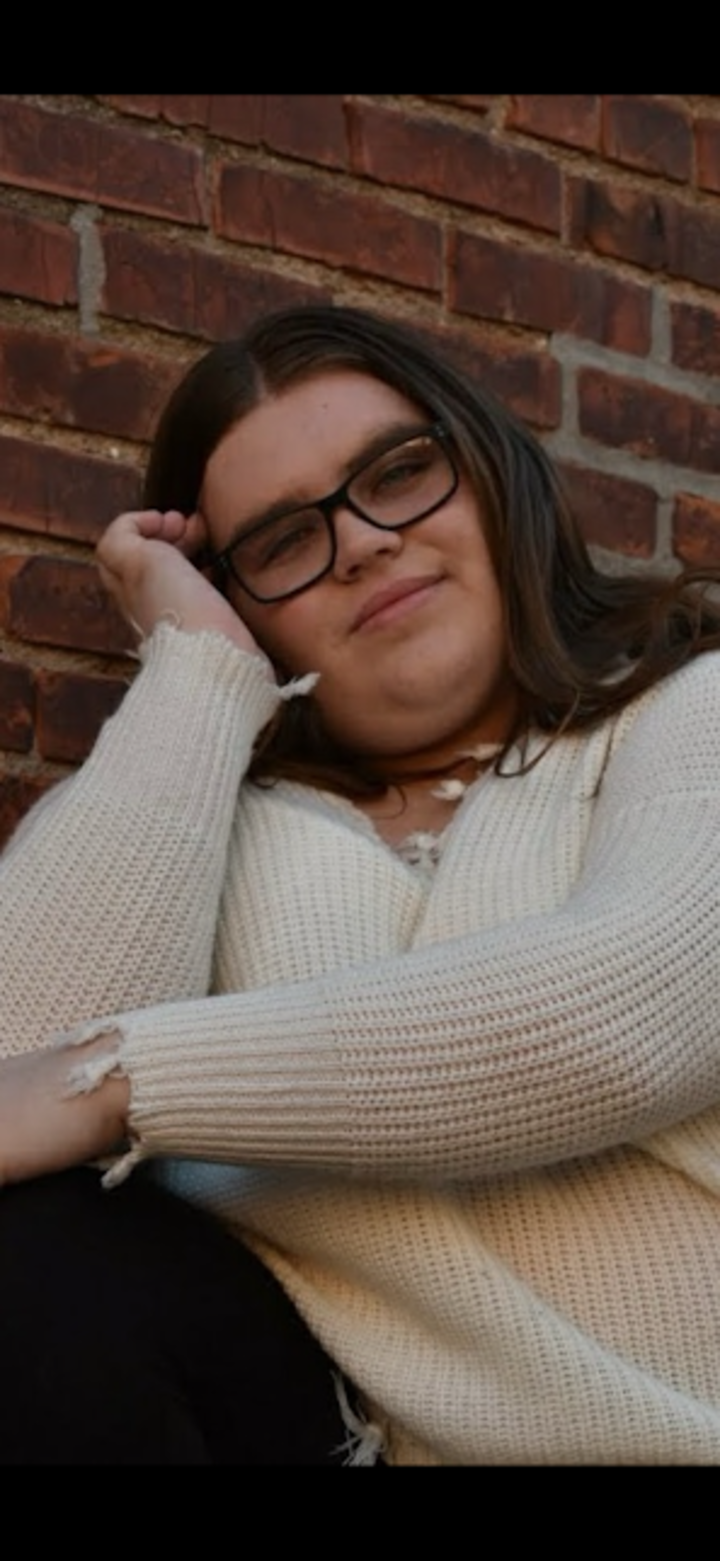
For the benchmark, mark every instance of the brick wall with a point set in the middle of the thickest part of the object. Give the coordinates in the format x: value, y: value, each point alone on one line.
x: 566, y: 247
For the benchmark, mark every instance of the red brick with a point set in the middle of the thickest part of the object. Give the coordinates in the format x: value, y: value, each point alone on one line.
x: 237, y: 117
x: 573, y: 120
x: 707, y: 140
x: 647, y: 134
x: 17, y: 707
x: 357, y: 232
x: 612, y: 512
x: 478, y: 101
x: 500, y: 281
x: 17, y: 795
x: 528, y: 382
x: 9, y: 566
x: 62, y: 494
x: 695, y: 338
x: 299, y: 124
x: 55, y: 601
x: 653, y: 422
x: 73, y: 155
x: 613, y: 220
x: 696, y: 531
x: 456, y: 164
x: 306, y: 126
x: 698, y: 248
x: 37, y: 259
x: 656, y: 232
x: 82, y: 384
x: 178, y: 109
x: 71, y: 710
x: 152, y: 282
x: 147, y: 105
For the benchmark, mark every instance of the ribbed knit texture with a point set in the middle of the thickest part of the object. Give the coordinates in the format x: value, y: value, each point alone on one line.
x: 448, y: 1108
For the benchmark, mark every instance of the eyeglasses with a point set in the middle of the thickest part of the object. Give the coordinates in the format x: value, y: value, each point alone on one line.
x: 284, y: 554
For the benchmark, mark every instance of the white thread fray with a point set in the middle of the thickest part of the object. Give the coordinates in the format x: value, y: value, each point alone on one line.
x: 89, y: 1075
x: 449, y: 790
x: 122, y: 1168
x: 482, y: 752
x: 85, y: 1076
x: 364, y: 1441
x: 297, y: 686
x: 91, y: 1030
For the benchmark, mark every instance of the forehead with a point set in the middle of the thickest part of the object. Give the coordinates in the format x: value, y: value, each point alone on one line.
x: 303, y: 440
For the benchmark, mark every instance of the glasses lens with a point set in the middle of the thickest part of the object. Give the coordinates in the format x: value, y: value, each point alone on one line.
x: 282, y: 555
x: 405, y: 483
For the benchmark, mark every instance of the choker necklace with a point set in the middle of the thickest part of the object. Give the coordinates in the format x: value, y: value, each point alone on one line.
x: 452, y: 789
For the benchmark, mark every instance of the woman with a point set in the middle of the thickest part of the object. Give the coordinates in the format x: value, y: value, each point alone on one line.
x: 381, y: 923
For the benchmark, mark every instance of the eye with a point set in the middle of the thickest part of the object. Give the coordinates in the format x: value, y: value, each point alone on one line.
x: 281, y: 539
x: 399, y: 472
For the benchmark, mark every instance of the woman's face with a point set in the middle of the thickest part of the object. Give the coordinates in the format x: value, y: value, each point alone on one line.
x: 418, y: 674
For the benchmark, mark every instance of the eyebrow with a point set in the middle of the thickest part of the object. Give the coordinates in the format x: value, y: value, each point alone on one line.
x: 375, y: 445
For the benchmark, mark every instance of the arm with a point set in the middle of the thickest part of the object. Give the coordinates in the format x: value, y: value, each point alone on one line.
x: 109, y: 889
x: 533, y: 1042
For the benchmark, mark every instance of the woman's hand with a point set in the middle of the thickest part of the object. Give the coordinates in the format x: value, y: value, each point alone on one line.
x: 42, y: 1127
x: 145, y: 563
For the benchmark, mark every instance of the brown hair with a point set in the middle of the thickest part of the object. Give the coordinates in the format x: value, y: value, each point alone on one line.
x: 581, y: 643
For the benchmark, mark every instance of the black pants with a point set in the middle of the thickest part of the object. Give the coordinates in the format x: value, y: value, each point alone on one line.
x: 135, y: 1330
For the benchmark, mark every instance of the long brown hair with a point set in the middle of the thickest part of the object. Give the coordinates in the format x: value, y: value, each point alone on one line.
x: 581, y: 643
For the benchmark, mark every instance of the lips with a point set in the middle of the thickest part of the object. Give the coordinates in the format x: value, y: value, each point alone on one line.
x: 399, y: 591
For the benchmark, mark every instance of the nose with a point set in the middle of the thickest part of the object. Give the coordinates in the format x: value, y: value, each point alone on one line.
x: 358, y: 543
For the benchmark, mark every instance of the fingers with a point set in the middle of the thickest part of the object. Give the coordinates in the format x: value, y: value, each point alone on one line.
x: 150, y: 562
x: 187, y: 532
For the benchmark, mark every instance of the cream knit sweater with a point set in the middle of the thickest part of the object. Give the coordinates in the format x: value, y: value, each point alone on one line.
x: 470, y: 1123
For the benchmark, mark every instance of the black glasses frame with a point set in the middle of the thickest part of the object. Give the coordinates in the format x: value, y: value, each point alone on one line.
x: 327, y: 507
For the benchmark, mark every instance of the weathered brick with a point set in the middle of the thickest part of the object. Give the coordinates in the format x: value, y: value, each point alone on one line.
x: 74, y: 155
x: 656, y: 232
x: 528, y: 382
x: 612, y: 512
x: 237, y: 117
x: 696, y: 531
x: 653, y: 422
x: 455, y: 164
x: 55, y: 601
x: 60, y: 493
x: 9, y: 565
x: 614, y: 220
x: 500, y: 281
x: 17, y: 795
x: 696, y: 256
x: 481, y: 102
x: 147, y: 105
x: 71, y: 710
x: 152, y: 282
x: 571, y: 119
x: 37, y: 259
x: 300, y: 124
x: 17, y: 707
x: 82, y: 384
x: 647, y: 134
x: 695, y: 338
x: 357, y: 232
x: 707, y: 140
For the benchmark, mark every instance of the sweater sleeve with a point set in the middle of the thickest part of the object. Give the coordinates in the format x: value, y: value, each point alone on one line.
x: 556, y: 1036
x: 109, y: 888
